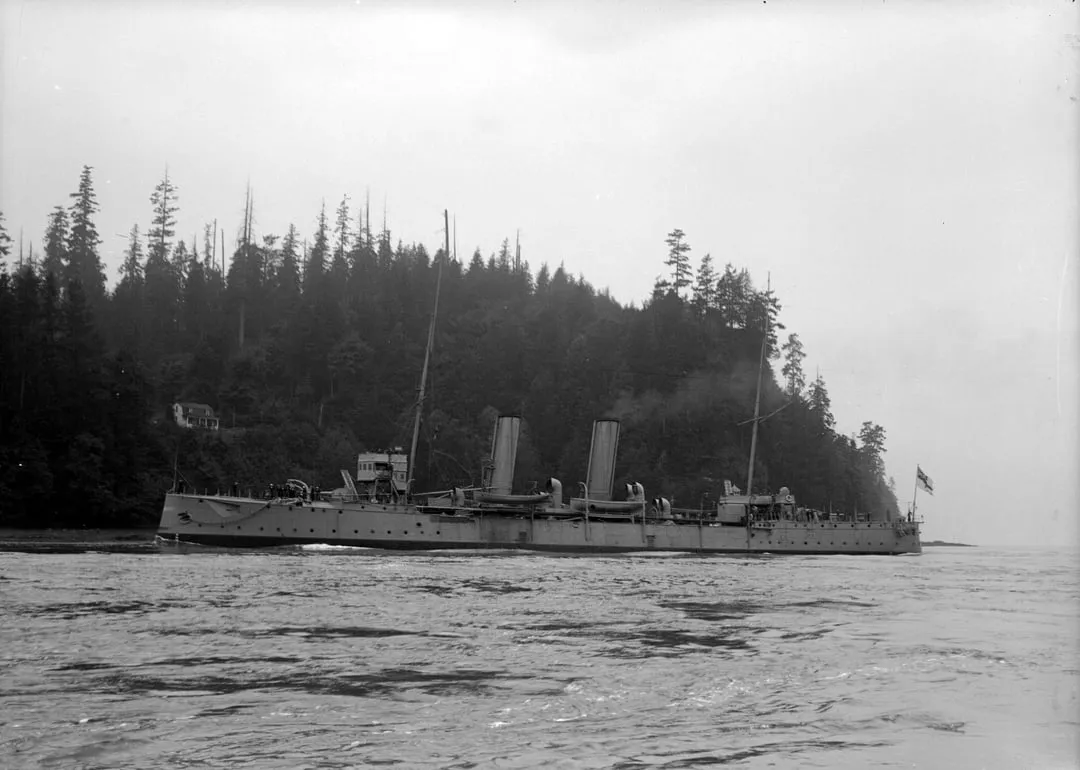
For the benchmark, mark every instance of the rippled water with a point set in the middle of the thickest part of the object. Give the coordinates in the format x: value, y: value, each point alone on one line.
x: 139, y: 656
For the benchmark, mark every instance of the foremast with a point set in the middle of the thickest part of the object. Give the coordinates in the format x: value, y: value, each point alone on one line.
x: 427, y: 357
x: 757, y: 398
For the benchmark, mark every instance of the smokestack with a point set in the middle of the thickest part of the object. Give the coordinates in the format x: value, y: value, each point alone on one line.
x: 601, y: 474
x: 504, y: 454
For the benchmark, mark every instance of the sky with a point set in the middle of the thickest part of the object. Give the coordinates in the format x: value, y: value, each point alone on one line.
x: 907, y: 176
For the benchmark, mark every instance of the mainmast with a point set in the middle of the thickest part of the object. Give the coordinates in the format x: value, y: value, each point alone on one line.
x: 427, y: 354
x: 757, y: 398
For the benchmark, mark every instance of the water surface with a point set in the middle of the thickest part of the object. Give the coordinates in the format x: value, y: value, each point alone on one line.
x: 133, y: 655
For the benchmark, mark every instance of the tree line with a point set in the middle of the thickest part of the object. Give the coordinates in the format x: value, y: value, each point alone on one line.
x: 310, y: 352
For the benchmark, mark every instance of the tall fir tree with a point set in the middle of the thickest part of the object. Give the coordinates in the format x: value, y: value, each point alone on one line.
x: 163, y: 200
x: 793, y: 371
x: 84, y: 262
x: 315, y: 265
x: 705, y: 286
x: 678, y: 260
x: 5, y: 243
x: 56, y: 243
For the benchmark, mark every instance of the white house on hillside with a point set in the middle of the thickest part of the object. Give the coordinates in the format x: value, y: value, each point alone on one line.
x: 189, y: 415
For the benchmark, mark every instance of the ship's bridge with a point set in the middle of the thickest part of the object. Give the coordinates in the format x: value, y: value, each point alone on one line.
x: 391, y: 466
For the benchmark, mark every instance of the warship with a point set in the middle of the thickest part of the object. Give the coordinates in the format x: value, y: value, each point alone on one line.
x: 377, y: 508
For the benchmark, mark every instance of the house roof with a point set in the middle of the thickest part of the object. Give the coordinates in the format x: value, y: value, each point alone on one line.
x: 202, y: 410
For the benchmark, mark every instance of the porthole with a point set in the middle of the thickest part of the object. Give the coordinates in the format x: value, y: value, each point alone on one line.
x: 333, y: 532
x: 356, y: 532
x: 260, y: 529
x: 311, y: 530
x: 388, y: 532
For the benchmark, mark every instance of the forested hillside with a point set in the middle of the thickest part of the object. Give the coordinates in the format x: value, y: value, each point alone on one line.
x: 310, y: 352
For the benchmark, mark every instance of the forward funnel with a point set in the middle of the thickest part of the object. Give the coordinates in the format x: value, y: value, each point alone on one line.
x: 601, y: 474
x: 504, y: 443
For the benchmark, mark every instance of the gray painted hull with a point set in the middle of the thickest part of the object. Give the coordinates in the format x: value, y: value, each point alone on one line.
x: 245, y: 522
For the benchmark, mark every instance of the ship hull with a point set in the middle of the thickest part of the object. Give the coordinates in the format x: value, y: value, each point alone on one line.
x: 246, y: 523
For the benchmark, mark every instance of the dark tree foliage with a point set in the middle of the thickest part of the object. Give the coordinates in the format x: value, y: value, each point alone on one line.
x: 84, y: 263
x: 163, y: 199
x: 678, y: 260
x: 5, y: 244
x: 56, y: 237
x: 309, y: 361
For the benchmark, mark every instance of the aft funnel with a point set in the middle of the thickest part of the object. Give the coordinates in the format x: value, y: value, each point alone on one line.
x: 504, y: 443
x: 601, y: 474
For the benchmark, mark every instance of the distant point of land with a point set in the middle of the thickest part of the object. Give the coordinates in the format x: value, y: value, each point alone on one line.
x: 943, y: 542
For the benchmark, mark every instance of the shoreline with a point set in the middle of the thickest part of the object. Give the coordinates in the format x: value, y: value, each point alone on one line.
x: 89, y: 535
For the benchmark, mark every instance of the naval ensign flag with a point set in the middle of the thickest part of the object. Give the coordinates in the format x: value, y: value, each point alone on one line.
x: 924, y: 481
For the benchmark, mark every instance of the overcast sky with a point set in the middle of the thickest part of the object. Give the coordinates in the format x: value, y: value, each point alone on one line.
x: 909, y: 174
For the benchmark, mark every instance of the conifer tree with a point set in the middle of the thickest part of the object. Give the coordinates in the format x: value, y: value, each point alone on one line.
x: 128, y: 296
x: 705, y: 286
x: 5, y: 243
x: 84, y: 263
x: 341, y: 237
x: 820, y: 404
x: 792, y: 371
x: 288, y: 276
x: 872, y: 437
x: 131, y: 272
x: 163, y: 199
x: 315, y: 265
x: 678, y: 260
x: 56, y: 242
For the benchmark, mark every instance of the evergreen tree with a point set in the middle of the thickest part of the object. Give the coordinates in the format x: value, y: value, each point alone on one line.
x: 163, y: 199
x: 84, y: 263
x: 705, y: 286
x: 733, y: 291
x: 820, y: 404
x: 5, y: 243
x: 872, y: 437
x: 56, y: 242
x: 678, y: 260
x: 288, y: 276
x: 131, y: 271
x: 792, y: 371
x: 341, y: 239
x: 128, y: 307
x: 315, y: 265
